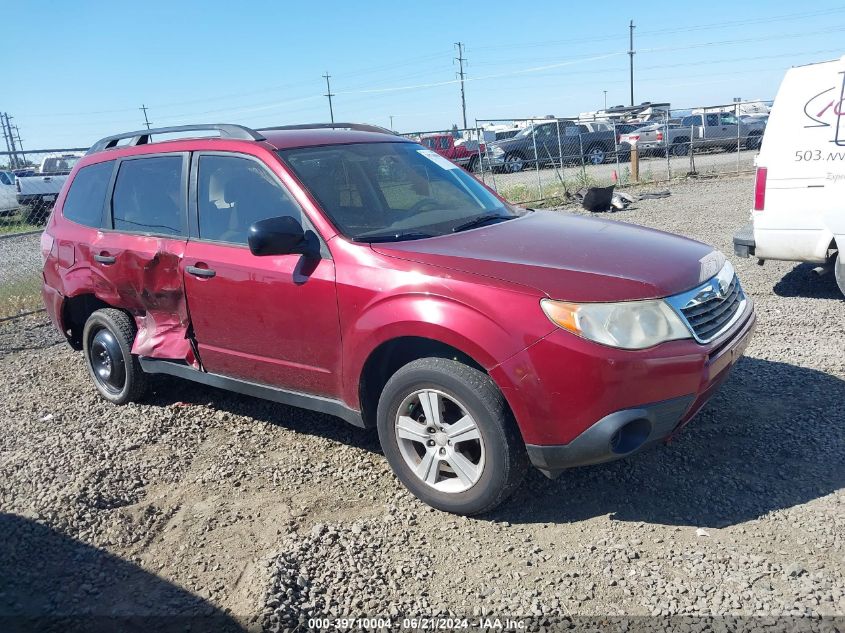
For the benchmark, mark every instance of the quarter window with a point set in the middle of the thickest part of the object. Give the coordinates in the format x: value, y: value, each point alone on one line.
x: 87, y: 194
x: 235, y: 192
x: 148, y: 196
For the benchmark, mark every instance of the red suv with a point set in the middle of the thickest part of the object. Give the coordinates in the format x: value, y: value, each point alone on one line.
x: 344, y: 269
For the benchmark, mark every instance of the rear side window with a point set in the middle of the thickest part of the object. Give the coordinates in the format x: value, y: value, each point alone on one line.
x: 233, y: 193
x: 148, y: 196
x: 87, y: 194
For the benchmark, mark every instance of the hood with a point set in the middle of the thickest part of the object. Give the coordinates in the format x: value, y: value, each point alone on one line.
x: 570, y: 257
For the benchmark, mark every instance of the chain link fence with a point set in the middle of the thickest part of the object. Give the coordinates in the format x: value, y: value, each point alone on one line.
x: 29, y: 184
x: 529, y: 160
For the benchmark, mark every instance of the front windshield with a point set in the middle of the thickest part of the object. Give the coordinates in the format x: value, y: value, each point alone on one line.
x: 393, y: 191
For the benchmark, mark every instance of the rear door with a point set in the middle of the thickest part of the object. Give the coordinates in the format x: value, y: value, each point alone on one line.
x: 135, y: 259
x: 270, y: 319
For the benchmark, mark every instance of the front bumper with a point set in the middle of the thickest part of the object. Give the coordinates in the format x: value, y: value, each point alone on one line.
x: 744, y: 244
x: 579, y: 403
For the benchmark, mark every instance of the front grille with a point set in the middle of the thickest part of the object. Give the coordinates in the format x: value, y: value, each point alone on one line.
x: 707, y: 318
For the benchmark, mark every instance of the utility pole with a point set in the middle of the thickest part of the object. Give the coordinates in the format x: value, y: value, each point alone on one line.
x: 391, y: 122
x: 143, y: 108
x: 329, y: 95
x: 10, y: 142
x: 605, y: 99
x: 6, y: 139
x: 20, y: 143
x: 461, y: 59
x: 631, y: 55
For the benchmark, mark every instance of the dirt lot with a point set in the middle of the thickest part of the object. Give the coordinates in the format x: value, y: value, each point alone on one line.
x: 200, y: 502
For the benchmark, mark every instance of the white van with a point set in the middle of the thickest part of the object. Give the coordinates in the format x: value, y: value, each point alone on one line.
x: 799, y: 194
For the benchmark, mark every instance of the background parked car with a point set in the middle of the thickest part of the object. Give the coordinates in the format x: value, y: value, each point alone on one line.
x: 463, y: 152
x: 38, y: 192
x: 708, y: 130
x: 8, y: 198
x: 552, y: 143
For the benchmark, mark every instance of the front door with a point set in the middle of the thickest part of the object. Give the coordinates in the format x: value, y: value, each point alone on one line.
x: 270, y: 319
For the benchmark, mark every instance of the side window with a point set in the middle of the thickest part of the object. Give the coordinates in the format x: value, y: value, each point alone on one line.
x: 87, y: 194
x: 712, y: 119
x: 148, y: 196
x: 444, y: 142
x: 235, y: 192
x: 5, y: 178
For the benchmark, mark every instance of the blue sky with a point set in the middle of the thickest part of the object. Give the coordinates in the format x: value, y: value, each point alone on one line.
x: 81, y: 70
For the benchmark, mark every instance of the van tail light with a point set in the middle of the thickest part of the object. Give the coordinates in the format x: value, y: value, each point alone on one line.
x: 660, y: 136
x: 760, y: 189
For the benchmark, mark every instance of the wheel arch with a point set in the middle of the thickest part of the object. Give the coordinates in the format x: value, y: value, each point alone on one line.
x: 389, y: 356
x: 75, y: 312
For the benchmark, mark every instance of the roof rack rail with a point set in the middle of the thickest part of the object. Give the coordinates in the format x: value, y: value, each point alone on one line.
x: 361, y: 127
x: 142, y: 137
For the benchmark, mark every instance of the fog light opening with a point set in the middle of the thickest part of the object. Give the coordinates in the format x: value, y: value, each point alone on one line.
x: 630, y: 437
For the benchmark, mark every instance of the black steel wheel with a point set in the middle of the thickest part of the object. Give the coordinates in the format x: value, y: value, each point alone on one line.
x: 107, y: 344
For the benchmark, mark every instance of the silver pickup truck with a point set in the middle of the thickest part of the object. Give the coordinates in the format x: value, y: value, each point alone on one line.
x: 38, y: 193
x: 708, y: 130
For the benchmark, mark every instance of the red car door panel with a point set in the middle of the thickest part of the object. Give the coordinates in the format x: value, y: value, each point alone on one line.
x: 267, y: 319
x: 262, y: 319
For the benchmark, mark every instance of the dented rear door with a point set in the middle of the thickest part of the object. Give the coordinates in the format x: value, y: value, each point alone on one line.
x: 136, y: 260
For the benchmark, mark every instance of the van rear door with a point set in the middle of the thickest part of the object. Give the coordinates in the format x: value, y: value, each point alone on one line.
x: 803, y: 152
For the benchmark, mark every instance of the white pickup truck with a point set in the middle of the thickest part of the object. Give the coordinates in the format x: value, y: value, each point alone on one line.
x: 38, y: 193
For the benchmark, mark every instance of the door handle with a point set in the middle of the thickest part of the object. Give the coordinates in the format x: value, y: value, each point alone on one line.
x: 105, y: 259
x: 200, y: 272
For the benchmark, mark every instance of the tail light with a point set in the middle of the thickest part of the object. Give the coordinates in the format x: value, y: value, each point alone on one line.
x: 48, y: 247
x: 18, y: 184
x: 760, y: 189
x: 660, y: 136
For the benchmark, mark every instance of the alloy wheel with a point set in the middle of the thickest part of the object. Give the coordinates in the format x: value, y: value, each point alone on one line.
x: 440, y: 441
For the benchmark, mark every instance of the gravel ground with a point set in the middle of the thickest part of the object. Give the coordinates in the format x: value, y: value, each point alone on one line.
x: 202, y: 502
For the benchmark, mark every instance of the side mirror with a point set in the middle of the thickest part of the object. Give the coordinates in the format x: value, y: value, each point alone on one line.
x: 278, y: 236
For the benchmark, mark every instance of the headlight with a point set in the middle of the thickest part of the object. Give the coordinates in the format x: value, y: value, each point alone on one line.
x: 496, y: 151
x: 628, y: 325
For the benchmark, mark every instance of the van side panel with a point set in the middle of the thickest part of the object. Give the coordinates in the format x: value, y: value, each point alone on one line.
x: 804, y: 152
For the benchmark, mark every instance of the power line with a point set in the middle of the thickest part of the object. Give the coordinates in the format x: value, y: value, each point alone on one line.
x: 329, y: 95
x: 461, y: 59
x: 146, y: 120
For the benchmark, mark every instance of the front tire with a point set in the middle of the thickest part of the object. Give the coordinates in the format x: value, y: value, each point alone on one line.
x: 839, y: 271
x: 595, y: 155
x: 449, y: 436
x: 514, y: 163
x: 107, y: 343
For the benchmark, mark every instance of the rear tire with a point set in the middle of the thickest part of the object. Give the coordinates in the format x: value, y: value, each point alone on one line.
x: 107, y: 343
x: 839, y: 271
x: 487, y: 450
x: 680, y: 147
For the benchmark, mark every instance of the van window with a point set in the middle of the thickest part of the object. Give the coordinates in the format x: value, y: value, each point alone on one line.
x: 87, y: 194
x: 148, y: 196
x: 235, y: 192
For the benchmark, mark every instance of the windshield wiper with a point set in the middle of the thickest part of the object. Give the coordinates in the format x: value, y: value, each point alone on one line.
x: 391, y: 237
x: 479, y: 220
